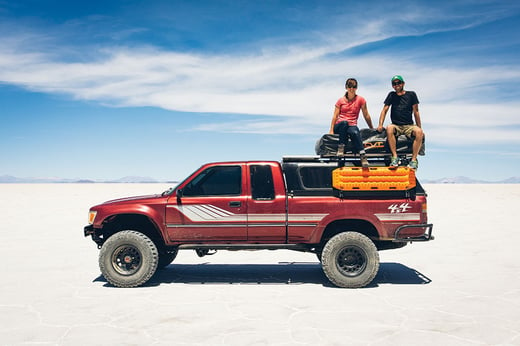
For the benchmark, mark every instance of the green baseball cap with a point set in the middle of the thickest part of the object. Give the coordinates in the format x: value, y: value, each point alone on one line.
x: 397, y: 77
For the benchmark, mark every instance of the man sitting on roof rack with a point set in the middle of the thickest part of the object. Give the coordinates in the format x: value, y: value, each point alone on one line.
x: 403, y: 104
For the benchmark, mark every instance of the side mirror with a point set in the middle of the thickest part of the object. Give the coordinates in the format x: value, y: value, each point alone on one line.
x: 179, y: 194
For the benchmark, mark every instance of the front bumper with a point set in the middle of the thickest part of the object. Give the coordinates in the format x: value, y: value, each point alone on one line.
x: 426, y: 236
x: 89, y: 230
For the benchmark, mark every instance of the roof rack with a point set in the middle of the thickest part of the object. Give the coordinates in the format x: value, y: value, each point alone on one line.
x: 376, y: 159
x: 304, y: 158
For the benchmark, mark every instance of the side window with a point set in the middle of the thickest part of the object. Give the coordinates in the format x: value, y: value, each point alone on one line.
x: 262, y: 186
x: 216, y: 181
x: 316, y: 177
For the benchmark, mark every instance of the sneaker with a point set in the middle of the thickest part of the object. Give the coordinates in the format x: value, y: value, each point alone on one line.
x: 394, y: 162
x: 341, y: 150
x: 414, y: 164
x: 364, y: 161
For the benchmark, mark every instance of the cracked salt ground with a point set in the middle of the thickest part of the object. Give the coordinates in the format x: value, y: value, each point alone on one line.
x: 461, y: 289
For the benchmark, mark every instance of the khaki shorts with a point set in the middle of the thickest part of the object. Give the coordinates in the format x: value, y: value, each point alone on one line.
x: 406, y: 130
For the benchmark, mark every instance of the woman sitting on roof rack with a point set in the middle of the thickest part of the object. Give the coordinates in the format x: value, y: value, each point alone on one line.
x: 344, y: 120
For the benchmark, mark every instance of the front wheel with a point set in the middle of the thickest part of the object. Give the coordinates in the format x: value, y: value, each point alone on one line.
x: 350, y: 260
x: 128, y: 259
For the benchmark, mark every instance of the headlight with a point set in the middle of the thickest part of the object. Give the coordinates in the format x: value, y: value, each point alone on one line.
x: 91, y: 217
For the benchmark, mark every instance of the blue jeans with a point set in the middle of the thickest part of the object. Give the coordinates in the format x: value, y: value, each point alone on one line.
x: 344, y: 130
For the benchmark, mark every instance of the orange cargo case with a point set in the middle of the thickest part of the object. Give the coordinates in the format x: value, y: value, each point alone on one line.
x: 373, y: 178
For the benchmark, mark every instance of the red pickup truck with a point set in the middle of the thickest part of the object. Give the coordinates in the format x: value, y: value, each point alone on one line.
x: 258, y: 205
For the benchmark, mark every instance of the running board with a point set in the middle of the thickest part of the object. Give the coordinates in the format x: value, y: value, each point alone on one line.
x: 295, y: 247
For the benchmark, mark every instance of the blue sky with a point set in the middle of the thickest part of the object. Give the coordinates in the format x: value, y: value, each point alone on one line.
x: 107, y: 89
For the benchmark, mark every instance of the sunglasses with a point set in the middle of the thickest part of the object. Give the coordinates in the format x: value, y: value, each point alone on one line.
x: 397, y: 83
x: 352, y: 86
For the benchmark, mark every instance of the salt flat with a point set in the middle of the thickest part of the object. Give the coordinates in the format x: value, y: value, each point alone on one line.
x: 463, y: 288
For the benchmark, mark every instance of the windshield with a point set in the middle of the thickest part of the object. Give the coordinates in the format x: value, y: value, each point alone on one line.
x: 169, y: 191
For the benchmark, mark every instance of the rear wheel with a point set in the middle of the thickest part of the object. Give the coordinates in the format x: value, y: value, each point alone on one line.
x: 128, y: 259
x: 350, y: 260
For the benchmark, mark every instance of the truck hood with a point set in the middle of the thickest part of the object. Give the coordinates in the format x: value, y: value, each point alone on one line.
x: 132, y: 199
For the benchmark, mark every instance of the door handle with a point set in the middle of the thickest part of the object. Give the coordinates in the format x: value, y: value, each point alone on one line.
x: 235, y: 204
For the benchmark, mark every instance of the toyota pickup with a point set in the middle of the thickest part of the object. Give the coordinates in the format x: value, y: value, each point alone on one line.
x: 256, y: 205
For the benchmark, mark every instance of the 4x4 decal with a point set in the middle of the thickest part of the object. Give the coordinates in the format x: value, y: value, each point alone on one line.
x: 398, y: 213
x: 399, y: 208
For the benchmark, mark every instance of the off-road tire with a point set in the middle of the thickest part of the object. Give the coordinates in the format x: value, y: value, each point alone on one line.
x: 350, y: 260
x: 128, y: 259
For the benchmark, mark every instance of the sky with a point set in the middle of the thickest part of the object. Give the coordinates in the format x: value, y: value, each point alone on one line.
x: 106, y: 89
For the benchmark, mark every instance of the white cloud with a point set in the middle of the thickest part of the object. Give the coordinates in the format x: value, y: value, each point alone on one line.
x: 469, y: 136
x: 296, y: 85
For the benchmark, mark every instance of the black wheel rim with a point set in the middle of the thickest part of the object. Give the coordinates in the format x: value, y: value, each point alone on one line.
x: 351, y: 261
x: 126, y: 259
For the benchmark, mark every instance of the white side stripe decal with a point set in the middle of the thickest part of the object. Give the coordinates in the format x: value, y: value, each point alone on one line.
x: 206, y: 212
x: 211, y: 213
x: 399, y: 217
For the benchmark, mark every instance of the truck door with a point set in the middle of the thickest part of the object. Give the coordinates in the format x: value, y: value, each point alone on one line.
x: 266, y: 221
x: 210, y: 207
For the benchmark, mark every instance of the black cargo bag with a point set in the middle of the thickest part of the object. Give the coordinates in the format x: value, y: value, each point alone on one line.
x: 373, y: 141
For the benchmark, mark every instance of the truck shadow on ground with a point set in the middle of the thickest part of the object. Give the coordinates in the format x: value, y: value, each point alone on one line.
x: 273, y: 274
